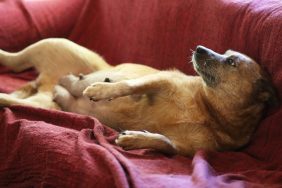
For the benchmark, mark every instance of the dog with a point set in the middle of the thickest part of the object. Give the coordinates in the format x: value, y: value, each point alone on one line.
x: 163, y: 110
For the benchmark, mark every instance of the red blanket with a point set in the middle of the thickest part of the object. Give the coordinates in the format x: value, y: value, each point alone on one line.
x: 44, y: 148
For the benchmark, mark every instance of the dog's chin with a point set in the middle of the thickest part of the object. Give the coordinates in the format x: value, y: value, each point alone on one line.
x: 209, y: 78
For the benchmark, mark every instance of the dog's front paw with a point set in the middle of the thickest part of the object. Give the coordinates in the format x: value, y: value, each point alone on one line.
x: 129, y: 140
x: 100, y: 91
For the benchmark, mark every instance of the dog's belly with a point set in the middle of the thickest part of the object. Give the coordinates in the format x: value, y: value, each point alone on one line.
x: 132, y: 112
x: 120, y: 113
x: 136, y: 112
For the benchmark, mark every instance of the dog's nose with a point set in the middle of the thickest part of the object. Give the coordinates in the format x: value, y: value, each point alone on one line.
x: 201, y: 50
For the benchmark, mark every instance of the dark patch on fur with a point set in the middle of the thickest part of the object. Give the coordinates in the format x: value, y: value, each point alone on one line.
x: 265, y: 92
x: 107, y: 80
x: 81, y: 76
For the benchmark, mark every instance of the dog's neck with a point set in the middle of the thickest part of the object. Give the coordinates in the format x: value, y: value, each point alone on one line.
x: 234, y: 121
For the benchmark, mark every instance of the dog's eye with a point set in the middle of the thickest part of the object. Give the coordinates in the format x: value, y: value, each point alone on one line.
x: 231, y: 62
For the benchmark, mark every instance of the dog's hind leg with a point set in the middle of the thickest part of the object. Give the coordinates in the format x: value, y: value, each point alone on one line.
x: 73, y: 84
x: 14, y: 61
x: 67, y: 102
x: 63, y: 97
x: 54, y: 56
x: 145, y: 140
x: 8, y: 100
x: 38, y: 99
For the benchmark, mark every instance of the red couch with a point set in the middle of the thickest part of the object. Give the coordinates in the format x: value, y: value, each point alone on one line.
x: 45, y: 148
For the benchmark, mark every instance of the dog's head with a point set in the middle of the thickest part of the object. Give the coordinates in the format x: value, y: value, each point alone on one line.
x: 234, y: 73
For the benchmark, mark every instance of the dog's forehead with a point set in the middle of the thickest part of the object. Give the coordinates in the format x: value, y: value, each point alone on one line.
x: 235, y: 53
x: 239, y: 55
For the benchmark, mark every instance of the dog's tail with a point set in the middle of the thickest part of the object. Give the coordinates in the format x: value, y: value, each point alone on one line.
x: 14, y: 61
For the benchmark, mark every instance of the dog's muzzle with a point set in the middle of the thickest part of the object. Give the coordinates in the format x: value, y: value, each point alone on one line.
x: 205, y: 54
x: 205, y: 62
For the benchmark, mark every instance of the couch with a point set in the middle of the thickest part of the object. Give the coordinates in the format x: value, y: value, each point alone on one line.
x: 49, y: 148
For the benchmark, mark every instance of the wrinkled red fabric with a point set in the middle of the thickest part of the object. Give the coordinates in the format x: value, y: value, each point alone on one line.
x: 47, y: 148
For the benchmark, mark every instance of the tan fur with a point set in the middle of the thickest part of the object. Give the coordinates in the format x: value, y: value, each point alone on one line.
x: 217, y: 110
x: 52, y: 58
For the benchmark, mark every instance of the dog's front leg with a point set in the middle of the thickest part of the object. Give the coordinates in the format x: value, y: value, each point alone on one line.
x: 145, y: 140
x: 150, y: 84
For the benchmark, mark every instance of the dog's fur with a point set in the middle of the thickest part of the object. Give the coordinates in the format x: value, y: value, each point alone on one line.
x: 217, y: 110
x: 52, y: 58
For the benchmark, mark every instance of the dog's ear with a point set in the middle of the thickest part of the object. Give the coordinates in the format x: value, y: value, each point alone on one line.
x: 265, y: 92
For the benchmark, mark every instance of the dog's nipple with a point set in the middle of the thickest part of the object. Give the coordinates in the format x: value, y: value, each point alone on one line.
x: 81, y: 76
x: 107, y: 80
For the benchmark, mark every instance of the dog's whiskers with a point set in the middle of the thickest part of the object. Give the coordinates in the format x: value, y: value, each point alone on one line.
x: 120, y: 129
x: 208, y: 60
x: 190, y: 58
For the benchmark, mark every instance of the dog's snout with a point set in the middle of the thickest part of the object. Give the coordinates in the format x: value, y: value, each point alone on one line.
x: 201, y: 50
x: 206, y: 53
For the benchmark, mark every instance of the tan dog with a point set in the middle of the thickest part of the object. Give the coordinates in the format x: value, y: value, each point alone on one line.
x: 217, y: 110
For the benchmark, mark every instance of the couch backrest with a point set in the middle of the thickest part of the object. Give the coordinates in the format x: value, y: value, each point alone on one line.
x: 162, y: 33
